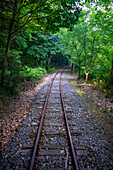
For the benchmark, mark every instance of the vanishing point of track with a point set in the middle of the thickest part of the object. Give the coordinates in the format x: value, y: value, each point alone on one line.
x: 64, y: 145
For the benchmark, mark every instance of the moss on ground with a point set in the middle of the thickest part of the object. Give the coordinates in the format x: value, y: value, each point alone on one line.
x: 79, y: 91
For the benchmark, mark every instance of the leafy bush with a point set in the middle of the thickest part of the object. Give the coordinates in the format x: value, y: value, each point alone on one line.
x: 109, y: 92
x: 14, y: 78
x: 100, y: 84
x: 33, y: 74
x: 42, y: 69
x: 11, y: 83
x: 48, y: 68
x: 52, y: 69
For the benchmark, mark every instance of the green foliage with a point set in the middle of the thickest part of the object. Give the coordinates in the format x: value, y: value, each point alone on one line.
x: 14, y: 79
x: 20, y: 42
x: 33, y: 74
x: 40, y: 47
x: 43, y: 70
x: 28, y: 45
x: 32, y: 16
x: 109, y: 92
x: 52, y: 69
x: 90, y: 43
x: 11, y: 84
x: 12, y: 76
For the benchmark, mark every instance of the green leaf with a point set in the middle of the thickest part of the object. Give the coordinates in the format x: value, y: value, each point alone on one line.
x: 62, y: 151
x: 51, y: 139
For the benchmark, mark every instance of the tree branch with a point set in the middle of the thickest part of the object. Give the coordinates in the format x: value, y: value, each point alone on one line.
x: 28, y: 20
x: 92, y: 53
x: 24, y: 6
x: 35, y: 8
x: 12, y: 34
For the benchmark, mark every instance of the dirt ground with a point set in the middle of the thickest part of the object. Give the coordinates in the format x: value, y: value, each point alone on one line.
x: 13, y: 113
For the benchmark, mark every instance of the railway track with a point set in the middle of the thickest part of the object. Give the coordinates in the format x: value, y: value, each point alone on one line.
x: 61, y: 105
x: 53, y: 136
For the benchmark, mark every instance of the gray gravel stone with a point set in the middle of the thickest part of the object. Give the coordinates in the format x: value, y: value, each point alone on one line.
x: 94, y: 141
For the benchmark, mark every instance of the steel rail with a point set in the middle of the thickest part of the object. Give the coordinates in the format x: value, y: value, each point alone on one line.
x: 68, y: 130
x: 41, y: 125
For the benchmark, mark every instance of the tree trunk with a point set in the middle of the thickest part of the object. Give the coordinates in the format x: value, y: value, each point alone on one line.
x: 44, y: 65
x: 110, y: 75
x: 79, y: 76
x: 57, y: 61
x: 5, y: 64
x: 87, y: 76
x: 39, y: 63
x: 49, y: 59
x: 36, y: 61
x: 73, y: 68
x: 49, y: 63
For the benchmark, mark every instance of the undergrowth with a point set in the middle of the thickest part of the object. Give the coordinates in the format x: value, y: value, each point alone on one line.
x: 15, y: 81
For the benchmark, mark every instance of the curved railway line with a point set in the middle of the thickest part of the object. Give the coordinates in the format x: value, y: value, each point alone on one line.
x: 54, y: 125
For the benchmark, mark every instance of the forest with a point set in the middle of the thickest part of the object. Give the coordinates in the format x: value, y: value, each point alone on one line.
x: 40, y: 36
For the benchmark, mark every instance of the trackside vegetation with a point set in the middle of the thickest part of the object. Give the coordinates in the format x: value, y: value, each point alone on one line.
x: 39, y: 36
x: 90, y: 45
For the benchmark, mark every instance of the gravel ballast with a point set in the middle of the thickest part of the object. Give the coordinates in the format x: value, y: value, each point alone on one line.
x: 89, y: 131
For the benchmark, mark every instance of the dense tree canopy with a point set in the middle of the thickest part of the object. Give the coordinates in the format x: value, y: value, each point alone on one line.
x: 42, y: 34
x: 49, y: 15
x: 90, y: 44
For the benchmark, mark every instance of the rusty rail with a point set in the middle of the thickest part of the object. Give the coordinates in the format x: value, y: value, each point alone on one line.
x: 68, y: 130
x: 41, y: 125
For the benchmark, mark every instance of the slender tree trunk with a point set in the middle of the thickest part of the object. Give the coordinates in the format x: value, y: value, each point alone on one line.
x: 36, y: 61
x: 73, y: 68
x: 57, y: 61
x: 85, y: 49
x: 39, y: 63
x: 92, y: 54
x: 110, y: 75
x: 87, y: 76
x: 79, y: 76
x: 5, y: 64
x: 49, y: 63
x: 60, y: 60
x: 44, y: 65
x: 49, y: 59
